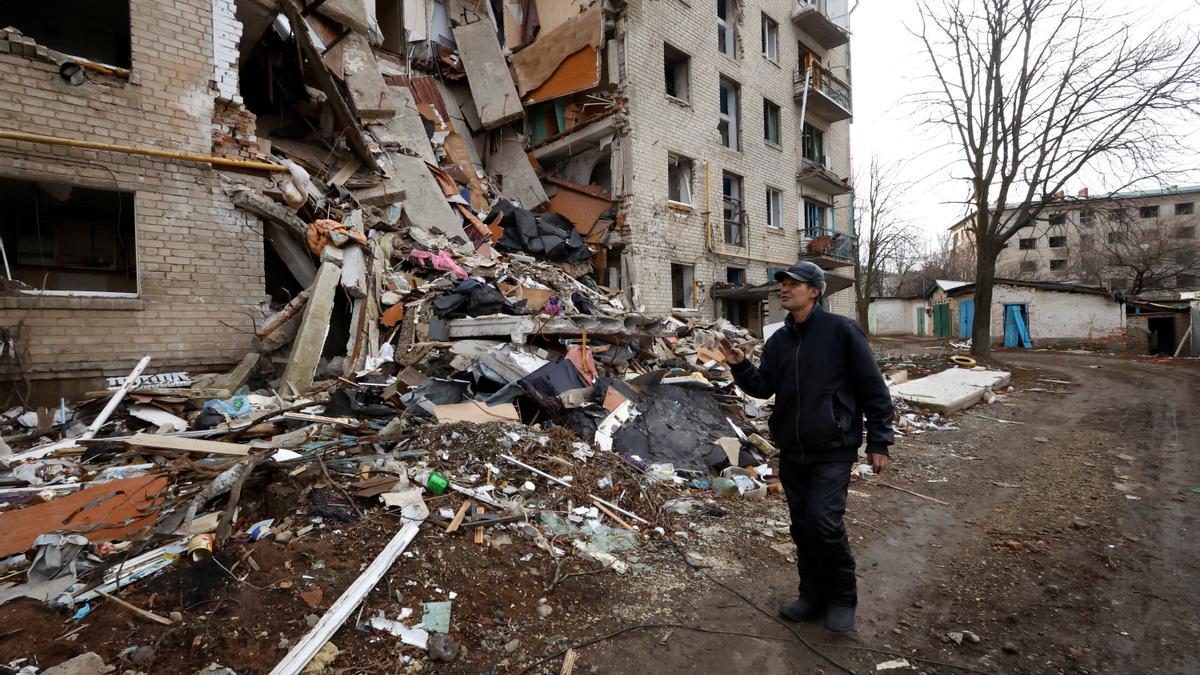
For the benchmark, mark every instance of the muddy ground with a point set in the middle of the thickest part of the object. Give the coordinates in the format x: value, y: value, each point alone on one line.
x: 1068, y: 545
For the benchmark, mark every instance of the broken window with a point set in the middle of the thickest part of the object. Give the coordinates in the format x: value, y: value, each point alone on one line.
x: 732, y: 214
x: 1087, y: 218
x: 1028, y: 265
x: 728, y: 125
x: 727, y: 21
x: 60, y: 237
x: 1185, y: 208
x: 683, y: 282
x: 1060, y: 264
x: 1148, y: 211
x: 735, y: 275
x: 679, y: 179
x: 770, y: 38
x: 678, y: 73
x: 1027, y: 244
x: 1116, y: 237
x: 814, y: 145
x: 1058, y: 219
x: 1058, y: 242
x: 1188, y: 232
x: 771, y: 115
x: 95, y: 30
x: 814, y: 218
x: 774, y: 208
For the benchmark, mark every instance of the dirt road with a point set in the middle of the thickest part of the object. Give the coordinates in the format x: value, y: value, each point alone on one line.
x: 1069, y: 544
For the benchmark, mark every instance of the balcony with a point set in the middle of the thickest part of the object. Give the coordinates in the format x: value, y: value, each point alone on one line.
x: 827, y: 248
x: 818, y: 176
x: 827, y: 21
x: 828, y: 97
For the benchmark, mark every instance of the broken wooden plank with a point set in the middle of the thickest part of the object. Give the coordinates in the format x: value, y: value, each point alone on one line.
x: 314, y: 328
x: 145, y: 614
x: 458, y: 517
x: 492, y: 86
x: 188, y: 444
x: 341, y: 109
x: 311, y: 643
x: 130, y: 382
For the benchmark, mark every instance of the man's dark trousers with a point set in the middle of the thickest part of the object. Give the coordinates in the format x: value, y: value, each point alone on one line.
x: 816, y: 495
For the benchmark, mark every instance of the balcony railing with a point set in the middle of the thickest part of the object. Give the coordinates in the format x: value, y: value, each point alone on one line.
x: 822, y: 242
x: 828, y: 96
x: 826, y: 20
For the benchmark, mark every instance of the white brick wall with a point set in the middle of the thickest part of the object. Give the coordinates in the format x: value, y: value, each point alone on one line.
x: 226, y: 33
x: 658, y: 126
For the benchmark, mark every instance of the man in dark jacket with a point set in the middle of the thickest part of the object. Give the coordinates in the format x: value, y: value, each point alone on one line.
x: 825, y: 380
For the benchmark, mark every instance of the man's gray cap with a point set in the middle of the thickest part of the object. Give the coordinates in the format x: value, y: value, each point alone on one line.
x: 804, y: 272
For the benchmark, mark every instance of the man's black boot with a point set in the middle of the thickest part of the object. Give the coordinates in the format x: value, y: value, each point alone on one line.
x: 840, y: 619
x: 802, y: 609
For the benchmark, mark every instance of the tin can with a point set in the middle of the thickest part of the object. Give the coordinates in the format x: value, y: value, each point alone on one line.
x: 200, y: 547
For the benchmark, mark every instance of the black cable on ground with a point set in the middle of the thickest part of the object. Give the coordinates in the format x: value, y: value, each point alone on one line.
x: 642, y: 626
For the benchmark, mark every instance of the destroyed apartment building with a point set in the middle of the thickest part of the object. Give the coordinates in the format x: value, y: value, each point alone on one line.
x: 172, y: 176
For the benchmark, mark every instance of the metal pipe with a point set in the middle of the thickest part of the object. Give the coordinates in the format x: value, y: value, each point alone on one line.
x: 149, y: 152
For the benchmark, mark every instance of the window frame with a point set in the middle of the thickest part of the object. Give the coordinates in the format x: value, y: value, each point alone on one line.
x: 1188, y: 208
x: 733, y: 209
x: 731, y: 137
x: 1058, y: 264
x: 675, y: 80
x: 820, y: 210
x: 769, y: 106
x: 770, y: 30
x: 1060, y: 238
x: 1148, y: 211
x: 684, y: 164
x: 774, y: 208
x: 13, y: 254
x: 813, y: 138
x: 727, y: 28
x: 1027, y: 243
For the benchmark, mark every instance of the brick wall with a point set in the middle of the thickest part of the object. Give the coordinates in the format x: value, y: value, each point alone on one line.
x: 200, y: 261
x: 659, y: 125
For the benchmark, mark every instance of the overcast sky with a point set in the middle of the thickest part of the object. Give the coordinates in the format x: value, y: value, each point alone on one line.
x: 889, y: 70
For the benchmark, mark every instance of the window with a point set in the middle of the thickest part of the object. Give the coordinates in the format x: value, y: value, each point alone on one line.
x: 679, y: 179
x: 98, y: 31
x: 390, y: 14
x: 1188, y: 232
x: 728, y: 125
x: 1116, y: 237
x: 727, y: 21
x: 771, y: 114
x: 1187, y: 281
x: 732, y: 214
x: 735, y: 275
x: 814, y: 218
x: 61, y: 237
x: 1060, y: 264
x: 1148, y: 211
x: 774, y: 208
x: 678, y: 73
x: 1087, y: 218
x: 770, y: 38
x: 814, y: 145
x: 683, y: 286
x: 1027, y: 244
x: 1028, y: 265
x: 1058, y: 219
x: 1185, y: 209
x: 1058, y: 242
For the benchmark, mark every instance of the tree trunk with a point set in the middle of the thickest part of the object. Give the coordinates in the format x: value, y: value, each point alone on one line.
x: 862, y: 310
x: 981, y: 328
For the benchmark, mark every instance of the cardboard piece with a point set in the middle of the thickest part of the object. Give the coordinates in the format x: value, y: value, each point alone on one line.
x: 476, y: 412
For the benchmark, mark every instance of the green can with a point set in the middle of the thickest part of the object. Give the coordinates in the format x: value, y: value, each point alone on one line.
x: 437, y: 483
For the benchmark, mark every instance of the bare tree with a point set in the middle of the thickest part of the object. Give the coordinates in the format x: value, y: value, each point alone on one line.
x: 887, y: 244
x: 1036, y: 91
x: 1145, y: 256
